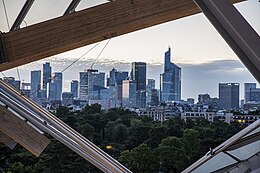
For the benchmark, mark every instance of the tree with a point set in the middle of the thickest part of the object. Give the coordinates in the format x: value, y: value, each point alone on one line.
x: 140, y: 159
x: 172, y: 154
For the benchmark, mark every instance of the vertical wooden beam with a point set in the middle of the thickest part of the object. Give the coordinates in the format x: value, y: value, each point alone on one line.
x: 21, y: 132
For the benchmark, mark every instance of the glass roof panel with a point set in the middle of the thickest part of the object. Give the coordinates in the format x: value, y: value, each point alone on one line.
x: 246, y: 151
x: 219, y: 161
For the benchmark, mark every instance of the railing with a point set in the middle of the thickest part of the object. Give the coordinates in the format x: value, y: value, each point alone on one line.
x: 53, y: 126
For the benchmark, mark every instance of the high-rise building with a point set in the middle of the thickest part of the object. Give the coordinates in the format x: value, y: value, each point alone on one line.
x: 74, y: 88
x: 150, y: 85
x: 129, y: 93
x: 35, y: 84
x: 46, y: 78
x: 138, y: 74
x: 247, y: 88
x: 12, y: 82
x: 55, y: 87
x: 170, y: 80
x: 90, y: 81
x: 255, y: 95
x: 228, y: 95
x: 26, y: 89
x: 67, y: 98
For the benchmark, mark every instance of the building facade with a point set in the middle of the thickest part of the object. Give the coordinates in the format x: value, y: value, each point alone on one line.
x: 35, y: 84
x: 46, y: 78
x: 228, y: 95
x: 170, y: 80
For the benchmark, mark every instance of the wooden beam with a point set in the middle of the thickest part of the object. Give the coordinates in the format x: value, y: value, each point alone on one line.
x: 7, y: 140
x: 21, y: 132
x: 89, y: 26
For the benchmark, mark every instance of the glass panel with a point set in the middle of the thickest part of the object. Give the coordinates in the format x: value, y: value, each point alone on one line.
x: 246, y: 151
x: 219, y: 161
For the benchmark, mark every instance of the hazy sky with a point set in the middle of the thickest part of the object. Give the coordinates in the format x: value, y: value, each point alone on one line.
x: 194, y: 41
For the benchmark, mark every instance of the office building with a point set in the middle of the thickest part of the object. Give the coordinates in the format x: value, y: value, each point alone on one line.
x: 35, y: 84
x: 90, y: 81
x: 55, y: 87
x: 138, y: 74
x: 254, y: 95
x: 228, y: 95
x: 67, y: 98
x: 247, y: 88
x: 129, y: 93
x: 74, y: 88
x: 150, y: 86
x: 46, y: 78
x: 12, y: 82
x: 170, y: 80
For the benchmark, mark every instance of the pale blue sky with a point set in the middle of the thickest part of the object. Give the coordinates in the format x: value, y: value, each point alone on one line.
x: 194, y: 42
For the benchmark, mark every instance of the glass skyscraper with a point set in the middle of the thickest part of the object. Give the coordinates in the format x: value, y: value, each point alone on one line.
x: 74, y: 88
x: 228, y: 95
x: 46, y: 78
x: 90, y: 81
x: 35, y: 84
x: 55, y: 87
x: 247, y: 88
x: 170, y: 80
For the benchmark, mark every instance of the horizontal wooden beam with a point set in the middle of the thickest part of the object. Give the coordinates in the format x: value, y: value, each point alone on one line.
x: 89, y: 26
x: 21, y: 132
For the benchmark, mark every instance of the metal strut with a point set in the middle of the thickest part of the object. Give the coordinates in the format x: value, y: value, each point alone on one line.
x: 236, y: 31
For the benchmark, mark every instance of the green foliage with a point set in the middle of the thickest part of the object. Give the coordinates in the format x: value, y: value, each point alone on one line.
x: 138, y: 142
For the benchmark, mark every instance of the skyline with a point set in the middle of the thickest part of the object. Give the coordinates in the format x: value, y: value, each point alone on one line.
x: 208, y: 75
x: 196, y: 46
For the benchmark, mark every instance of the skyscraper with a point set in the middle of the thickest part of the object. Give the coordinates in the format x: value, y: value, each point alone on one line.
x: 229, y: 95
x: 55, y: 87
x: 150, y: 85
x: 90, y: 81
x: 35, y: 84
x: 247, y: 88
x: 46, y: 78
x: 129, y: 93
x: 170, y: 80
x: 74, y: 88
x: 138, y: 74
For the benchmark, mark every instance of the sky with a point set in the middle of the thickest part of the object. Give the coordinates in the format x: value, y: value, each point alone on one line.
x: 196, y: 47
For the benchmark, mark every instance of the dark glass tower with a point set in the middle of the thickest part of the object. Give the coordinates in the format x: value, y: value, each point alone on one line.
x: 35, y: 84
x: 138, y: 74
x: 46, y: 78
x: 228, y: 95
x: 170, y: 80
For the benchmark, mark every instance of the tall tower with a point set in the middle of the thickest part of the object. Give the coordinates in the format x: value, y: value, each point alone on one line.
x: 90, y: 81
x: 55, y: 87
x: 138, y: 74
x: 229, y: 95
x: 74, y: 88
x: 35, y: 84
x: 170, y: 80
x: 46, y: 78
x: 247, y: 89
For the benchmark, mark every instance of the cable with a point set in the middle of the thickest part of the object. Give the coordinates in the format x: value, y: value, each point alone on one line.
x: 71, y: 64
x: 90, y: 68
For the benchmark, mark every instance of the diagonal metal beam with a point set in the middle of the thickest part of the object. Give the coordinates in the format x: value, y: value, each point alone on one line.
x: 237, y: 32
x: 22, y: 15
x: 71, y: 8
